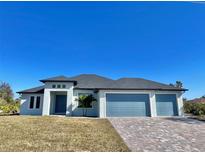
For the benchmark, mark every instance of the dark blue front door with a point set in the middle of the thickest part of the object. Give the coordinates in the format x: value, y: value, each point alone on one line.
x: 60, y: 107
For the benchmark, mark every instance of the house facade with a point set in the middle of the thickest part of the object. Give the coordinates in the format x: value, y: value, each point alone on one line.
x: 125, y: 97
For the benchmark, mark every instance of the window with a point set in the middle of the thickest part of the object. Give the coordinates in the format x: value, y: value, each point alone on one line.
x: 38, y: 101
x: 53, y: 86
x: 58, y: 86
x: 64, y: 86
x: 35, y: 102
x: 31, y: 105
x: 88, y: 101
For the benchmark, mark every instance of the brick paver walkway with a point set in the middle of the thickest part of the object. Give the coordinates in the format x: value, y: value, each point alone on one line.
x: 161, y: 134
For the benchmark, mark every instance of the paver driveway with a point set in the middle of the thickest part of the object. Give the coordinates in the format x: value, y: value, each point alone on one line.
x: 161, y: 134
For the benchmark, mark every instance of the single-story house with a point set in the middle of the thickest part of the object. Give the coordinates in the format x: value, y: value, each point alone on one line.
x: 124, y: 97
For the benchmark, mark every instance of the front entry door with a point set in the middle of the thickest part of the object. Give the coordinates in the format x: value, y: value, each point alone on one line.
x: 60, y: 105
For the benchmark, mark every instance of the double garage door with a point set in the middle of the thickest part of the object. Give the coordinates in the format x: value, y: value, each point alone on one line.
x: 133, y: 105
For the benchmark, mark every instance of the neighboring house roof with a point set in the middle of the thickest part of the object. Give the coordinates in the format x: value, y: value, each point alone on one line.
x: 197, y: 100
x: 92, y: 81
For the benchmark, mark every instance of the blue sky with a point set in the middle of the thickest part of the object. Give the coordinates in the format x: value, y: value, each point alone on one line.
x: 161, y: 41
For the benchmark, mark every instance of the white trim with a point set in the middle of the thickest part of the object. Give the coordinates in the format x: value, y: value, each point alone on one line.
x: 54, y: 93
x: 153, y: 105
x: 30, y: 102
x: 39, y: 102
x: 47, y: 96
x: 180, y: 104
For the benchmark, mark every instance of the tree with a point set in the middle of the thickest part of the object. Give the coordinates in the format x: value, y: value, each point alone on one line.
x: 184, y: 99
x: 203, y: 96
x: 6, y: 92
x: 85, y: 102
x: 171, y: 84
x: 179, y: 84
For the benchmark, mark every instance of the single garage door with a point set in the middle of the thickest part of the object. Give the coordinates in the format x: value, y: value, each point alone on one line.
x: 127, y: 105
x: 166, y: 105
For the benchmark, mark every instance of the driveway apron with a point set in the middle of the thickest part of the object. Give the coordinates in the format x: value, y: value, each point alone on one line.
x: 161, y: 134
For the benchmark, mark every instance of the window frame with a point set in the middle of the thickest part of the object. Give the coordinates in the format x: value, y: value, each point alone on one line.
x: 86, y: 107
x: 29, y: 105
x: 63, y: 86
x: 59, y: 86
x: 53, y: 85
x: 34, y: 103
x: 39, y: 102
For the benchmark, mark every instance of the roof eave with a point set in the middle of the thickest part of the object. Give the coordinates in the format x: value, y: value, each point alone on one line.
x: 58, y: 81
x: 160, y: 89
x: 24, y: 92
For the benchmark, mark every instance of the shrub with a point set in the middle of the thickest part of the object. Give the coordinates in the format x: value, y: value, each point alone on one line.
x: 2, y: 102
x: 10, y: 108
x: 194, y: 108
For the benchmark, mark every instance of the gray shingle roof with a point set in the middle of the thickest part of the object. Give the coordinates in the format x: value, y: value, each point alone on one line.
x: 39, y: 89
x: 139, y: 83
x: 92, y: 81
x: 60, y: 78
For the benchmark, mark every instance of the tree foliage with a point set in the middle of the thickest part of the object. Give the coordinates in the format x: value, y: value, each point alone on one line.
x: 194, y: 108
x: 179, y: 84
x: 203, y: 96
x: 85, y: 102
x: 7, y: 103
x: 6, y: 93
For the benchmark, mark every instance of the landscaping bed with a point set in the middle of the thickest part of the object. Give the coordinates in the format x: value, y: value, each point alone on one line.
x: 195, y: 110
x: 201, y: 118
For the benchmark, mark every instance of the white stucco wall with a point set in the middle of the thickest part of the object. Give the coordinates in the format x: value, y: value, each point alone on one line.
x: 25, y: 102
x: 47, y: 96
x: 99, y: 107
x: 102, y: 99
x: 180, y: 103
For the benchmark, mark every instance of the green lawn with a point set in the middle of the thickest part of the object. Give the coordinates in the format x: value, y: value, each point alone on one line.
x: 32, y: 133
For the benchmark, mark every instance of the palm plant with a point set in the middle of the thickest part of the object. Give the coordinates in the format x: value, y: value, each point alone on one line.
x: 85, y: 102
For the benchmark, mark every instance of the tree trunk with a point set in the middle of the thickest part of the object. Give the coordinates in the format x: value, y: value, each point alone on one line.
x: 86, y: 112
